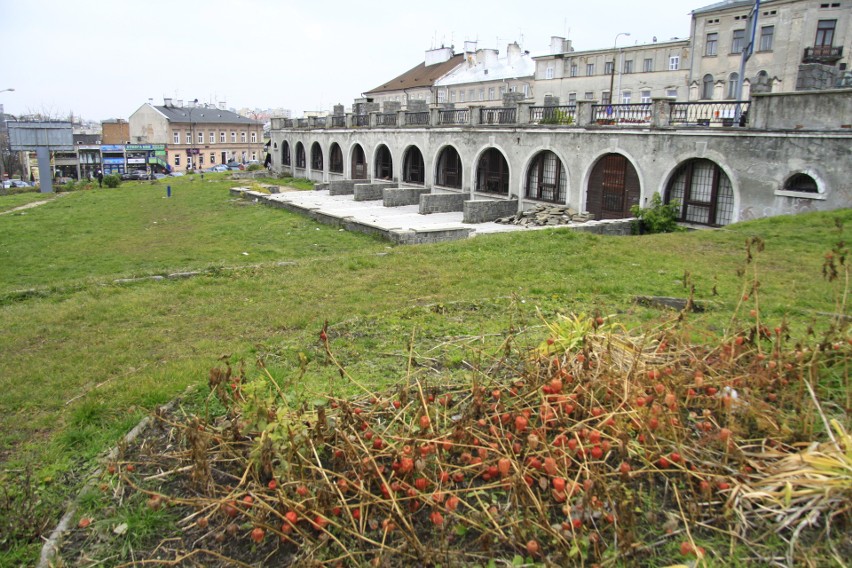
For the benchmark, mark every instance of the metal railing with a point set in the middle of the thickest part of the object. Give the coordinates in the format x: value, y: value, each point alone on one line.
x: 498, y: 115
x: 727, y: 113
x: 301, y: 123
x: 461, y: 116
x: 622, y: 114
x: 360, y: 120
x: 319, y: 122
x: 386, y: 119
x: 338, y: 121
x: 553, y: 114
x: 417, y: 118
x: 819, y: 53
x: 288, y: 123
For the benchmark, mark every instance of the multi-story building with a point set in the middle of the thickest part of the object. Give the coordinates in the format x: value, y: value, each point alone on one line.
x: 635, y: 74
x: 197, y: 136
x: 416, y: 84
x: 798, y: 45
x: 484, y: 77
x: 115, y: 131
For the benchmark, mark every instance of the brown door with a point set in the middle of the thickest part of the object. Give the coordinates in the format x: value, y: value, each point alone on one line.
x: 613, y: 188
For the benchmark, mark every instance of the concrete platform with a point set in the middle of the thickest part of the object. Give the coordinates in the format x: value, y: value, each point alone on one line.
x: 403, y: 224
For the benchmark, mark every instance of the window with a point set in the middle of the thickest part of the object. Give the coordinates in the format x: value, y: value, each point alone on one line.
x: 546, y: 179
x: 802, y: 183
x: 491, y: 93
x: 461, y: 96
x: 825, y: 33
x: 189, y: 137
x: 471, y: 95
x: 738, y: 41
x: 648, y: 65
x: 707, y: 90
x: 548, y: 73
x: 222, y: 137
x: 671, y: 93
x: 590, y: 69
x: 500, y: 92
x: 573, y: 69
x: 589, y: 96
x: 243, y: 136
x: 608, y: 67
x: 767, y: 34
x: 674, y: 62
x: 200, y: 159
x: 452, y: 96
x: 254, y: 137
x: 481, y: 94
x: 177, y: 160
x: 212, y: 157
x: 442, y: 96
x: 233, y: 136
x: 176, y: 137
x: 572, y: 99
x: 201, y: 138
x: 646, y: 97
x: 212, y: 137
x: 733, y: 84
x: 626, y: 97
x: 712, y: 45
x: 605, y: 100
x: 703, y: 192
x: 628, y: 66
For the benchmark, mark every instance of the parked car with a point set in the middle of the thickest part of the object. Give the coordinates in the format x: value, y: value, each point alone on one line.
x: 235, y: 166
x: 9, y: 183
x: 159, y: 176
x: 134, y: 175
x: 176, y: 174
x: 219, y: 168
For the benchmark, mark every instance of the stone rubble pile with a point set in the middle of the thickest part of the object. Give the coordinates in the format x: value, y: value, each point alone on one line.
x: 546, y: 216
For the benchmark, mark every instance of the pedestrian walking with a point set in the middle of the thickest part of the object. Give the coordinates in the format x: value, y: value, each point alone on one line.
x: 100, y: 178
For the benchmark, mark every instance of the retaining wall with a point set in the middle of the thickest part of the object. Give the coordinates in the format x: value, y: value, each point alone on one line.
x: 399, y: 196
x: 442, y: 202
x: 486, y: 210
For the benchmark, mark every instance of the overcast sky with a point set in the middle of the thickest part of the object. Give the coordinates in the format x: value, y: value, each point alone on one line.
x: 105, y: 58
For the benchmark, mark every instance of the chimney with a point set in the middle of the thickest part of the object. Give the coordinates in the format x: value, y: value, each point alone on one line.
x: 167, y: 101
x: 513, y: 53
x: 557, y: 44
x: 222, y: 105
x: 487, y: 57
x: 180, y: 103
x: 469, y: 47
x: 439, y: 55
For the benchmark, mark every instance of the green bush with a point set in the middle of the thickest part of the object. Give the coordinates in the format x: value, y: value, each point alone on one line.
x: 112, y: 180
x: 254, y: 168
x: 659, y: 217
x: 557, y: 117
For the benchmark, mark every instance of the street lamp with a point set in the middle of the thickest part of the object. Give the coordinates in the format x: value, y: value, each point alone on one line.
x: 612, y: 71
x: 191, y: 160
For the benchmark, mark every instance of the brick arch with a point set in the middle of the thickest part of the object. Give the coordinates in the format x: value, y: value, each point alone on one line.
x: 449, y: 168
x: 316, y: 157
x: 383, y: 166
x: 492, y: 172
x: 413, y: 166
x: 335, y: 159
x: 301, y: 160
x: 613, y: 187
x: 546, y: 178
x: 358, y: 161
x: 703, y: 192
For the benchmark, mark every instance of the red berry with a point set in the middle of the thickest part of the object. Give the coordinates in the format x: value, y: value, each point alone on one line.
x: 257, y: 534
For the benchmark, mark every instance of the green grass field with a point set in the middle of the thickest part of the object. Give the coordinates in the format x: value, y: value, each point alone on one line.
x: 83, y: 357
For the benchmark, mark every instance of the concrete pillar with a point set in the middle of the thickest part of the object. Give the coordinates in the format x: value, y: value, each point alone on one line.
x: 372, y: 119
x: 475, y: 115
x: 660, y: 112
x: 45, y: 176
x: 434, y: 116
x: 523, y: 112
x: 583, y: 115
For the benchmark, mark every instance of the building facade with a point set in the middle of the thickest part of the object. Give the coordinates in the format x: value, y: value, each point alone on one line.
x: 197, y: 136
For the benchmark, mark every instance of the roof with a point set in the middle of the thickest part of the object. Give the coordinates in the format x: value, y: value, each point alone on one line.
x: 628, y: 48
x: 419, y: 76
x: 522, y: 66
x: 203, y: 115
x: 724, y: 5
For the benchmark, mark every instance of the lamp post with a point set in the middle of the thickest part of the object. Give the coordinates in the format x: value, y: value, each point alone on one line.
x: 612, y: 71
x: 191, y: 160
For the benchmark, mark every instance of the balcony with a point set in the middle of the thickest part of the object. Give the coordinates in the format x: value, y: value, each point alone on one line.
x: 826, y: 54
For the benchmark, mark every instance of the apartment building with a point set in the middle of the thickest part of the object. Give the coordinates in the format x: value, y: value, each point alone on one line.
x: 197, y: 136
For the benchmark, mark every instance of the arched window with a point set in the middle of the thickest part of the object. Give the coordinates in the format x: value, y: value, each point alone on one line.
x: 449, y: 169
x: 335, y: 159
x: 316, y: 156
x: 412, y: 166
x: 384, y: 163
x: 285, y: 153
x: 733, y: 85
x: 802, y: 183
x: 546, y: 178
x: 704, y: 193
x: 300, y: 155
x: 707, y: 89
x: 492, y: 172
x: 359, y: 163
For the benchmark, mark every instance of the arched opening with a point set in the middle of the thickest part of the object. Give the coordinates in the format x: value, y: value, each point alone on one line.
x: 546, y: 178
x: 412, y: 166
x: 316, y: 157
x: 802, y: 183
x: 359, y: 163
x: 449, y: 168
x: 492, y: 173
x: 300, y: 155
x: 707, y: 87
x: 613, y: 188
x: 733, y: 84
x: 384, y: 163
x: 704, y: 193
x: 285, y: 153
x: 335, y: 159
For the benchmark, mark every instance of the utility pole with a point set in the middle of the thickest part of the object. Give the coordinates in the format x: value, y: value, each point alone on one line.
x: 747, y: 51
